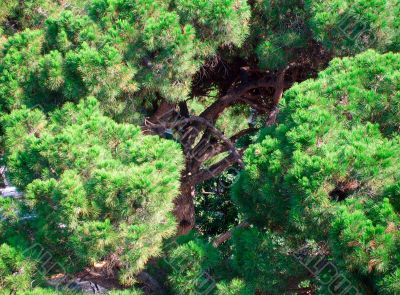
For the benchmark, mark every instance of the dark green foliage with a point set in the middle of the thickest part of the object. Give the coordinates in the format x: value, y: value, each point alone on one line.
x: 234, y: 287
x: 126, y: 292
x: 280, y: 31
x: 20, y: 52
x: 263, y: 260
x: 284, y: 31
x: 191, y: 264
x: 99, y: 52
x: 365, y: 238
x: 18, y: 15
x: 96, y: 187
x: 216, y: 213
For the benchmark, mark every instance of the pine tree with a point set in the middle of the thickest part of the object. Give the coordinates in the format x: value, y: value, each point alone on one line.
x: 95, y: 188
x: 239, y: 85
x: 328, y: 171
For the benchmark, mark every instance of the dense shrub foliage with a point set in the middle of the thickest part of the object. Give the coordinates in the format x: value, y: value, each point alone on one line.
x: 18, y: 15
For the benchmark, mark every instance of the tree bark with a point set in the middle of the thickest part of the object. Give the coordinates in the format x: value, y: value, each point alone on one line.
x: 184, y: 208
x: 227, y: 235
x: 201, y: 140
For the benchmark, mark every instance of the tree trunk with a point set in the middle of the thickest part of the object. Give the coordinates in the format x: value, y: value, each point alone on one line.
x: 184, y: 208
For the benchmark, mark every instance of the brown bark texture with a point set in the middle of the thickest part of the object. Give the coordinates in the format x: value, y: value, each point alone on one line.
x: 202, y: 141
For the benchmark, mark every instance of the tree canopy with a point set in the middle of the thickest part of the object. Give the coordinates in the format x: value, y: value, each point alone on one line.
x: 118, y: 51
x: 329, y: 170
x: 200, y: 147
x: 93, y: 187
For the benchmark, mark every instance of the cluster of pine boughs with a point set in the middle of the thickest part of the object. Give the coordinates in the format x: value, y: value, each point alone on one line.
x: 80, y: 79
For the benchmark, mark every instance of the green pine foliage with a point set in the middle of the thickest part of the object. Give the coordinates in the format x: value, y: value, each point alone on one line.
x: 321, y: 182
x: 124, y: 52
x: 191, y: 264
x: 263, y: 260
x: 279, y: 32
x: 16, y: 270
x: 126, y: 292
x: 128, y: 53
x: 365, y: 239
x: 96, y: 187
x: 329, y: 171
x: 18, y: 15
x: 216, y: 212
x: 350, y: 27
x: 234, y: 287
x: 282, y: 31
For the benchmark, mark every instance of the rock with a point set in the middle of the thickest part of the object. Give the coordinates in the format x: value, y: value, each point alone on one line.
x: 87, y: 287
x: 76, y: 284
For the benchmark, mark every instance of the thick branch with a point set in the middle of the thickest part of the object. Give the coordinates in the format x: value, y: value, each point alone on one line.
x: 227, y: 235
x: 183, y: 108
x: 242, y: 133
x: 214, y: 110
x: 213, y: 150
x: 204, y: 146
x: 215, y: 169
x: 210, y: 127
x: 272, y: 117
x: 164, y: 110
x: 280, y: 85
x: 234, y: 95
x: 210, y: 146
